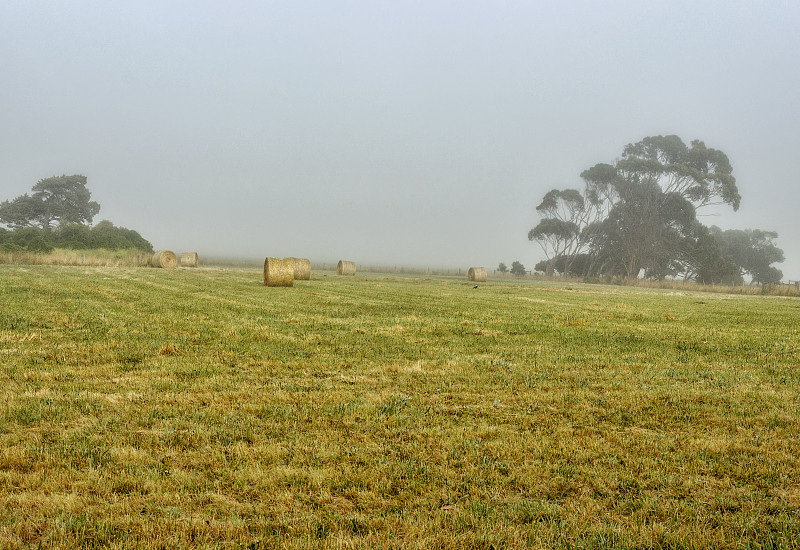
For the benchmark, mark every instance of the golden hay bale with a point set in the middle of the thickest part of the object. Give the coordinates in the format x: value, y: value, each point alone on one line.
x: 278, y: 272
x: 477, y: 274
x: 164, y: 258
x: 302, y: 269
x: 189, y: 259
x: 345, y: 268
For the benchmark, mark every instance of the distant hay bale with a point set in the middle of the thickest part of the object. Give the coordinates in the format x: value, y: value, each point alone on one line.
x: 477, y: 274
x: 302, y: 269
x: 278, y: 272
x: 189, y: 259
x: 345, y: 268
x: 164, y: 258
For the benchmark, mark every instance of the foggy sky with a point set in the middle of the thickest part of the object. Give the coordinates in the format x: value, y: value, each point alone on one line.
x: 403, y: 133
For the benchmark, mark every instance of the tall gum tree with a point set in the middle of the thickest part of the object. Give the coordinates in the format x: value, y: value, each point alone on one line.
x: 638, y: 213
x: 682, y: 179
x: 569, y: 218
x: 558, y: 233
x: 701, y: 175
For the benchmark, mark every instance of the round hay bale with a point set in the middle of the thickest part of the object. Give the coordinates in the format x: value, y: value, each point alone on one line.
x: 164, y: 258
x: 477, y: 274
x: 189, y: 259
x: 278, y: 272
x: 345, y: 268
x: 302, y: 269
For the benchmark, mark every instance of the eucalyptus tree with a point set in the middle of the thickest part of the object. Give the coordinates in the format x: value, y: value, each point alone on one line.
x: 562, y: 231
x: 656, y: 188
x: 704, y: 261
x: 752, y: 251
x: 637, y: 215
x: 701, y: 175
x: 645, y: 232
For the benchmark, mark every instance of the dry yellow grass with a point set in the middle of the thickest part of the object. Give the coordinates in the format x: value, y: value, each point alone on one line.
x: 392, y: 412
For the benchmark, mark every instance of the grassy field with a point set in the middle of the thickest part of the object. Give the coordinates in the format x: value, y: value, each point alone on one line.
x: 199, y: 409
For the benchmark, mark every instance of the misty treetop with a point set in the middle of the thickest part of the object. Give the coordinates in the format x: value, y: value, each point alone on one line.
x: 58, y: 214
x: 56, y: 200
x: 699, y: 174
x: 517, y: 268
x: 751, y: 251
x: 639, y: 216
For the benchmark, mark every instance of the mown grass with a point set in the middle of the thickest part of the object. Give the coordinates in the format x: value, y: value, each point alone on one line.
x: 199, y: 409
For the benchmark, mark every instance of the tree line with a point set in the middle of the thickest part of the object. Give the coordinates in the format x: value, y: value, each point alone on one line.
x: 516, y: 268
x: 638, y: 218
x: 58, y: 214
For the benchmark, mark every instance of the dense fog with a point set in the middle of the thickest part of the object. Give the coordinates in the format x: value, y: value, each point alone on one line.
x: 391, y: 133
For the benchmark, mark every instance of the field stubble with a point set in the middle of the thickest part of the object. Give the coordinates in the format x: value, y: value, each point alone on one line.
x: 198, y: 408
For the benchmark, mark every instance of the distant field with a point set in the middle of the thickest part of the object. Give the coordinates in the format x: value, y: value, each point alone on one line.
x: 196, y: 408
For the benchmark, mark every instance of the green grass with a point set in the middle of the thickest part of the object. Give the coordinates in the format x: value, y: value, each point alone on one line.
x: 199, y: 409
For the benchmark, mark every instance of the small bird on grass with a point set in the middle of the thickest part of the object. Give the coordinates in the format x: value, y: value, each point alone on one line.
x: 476, y: 286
